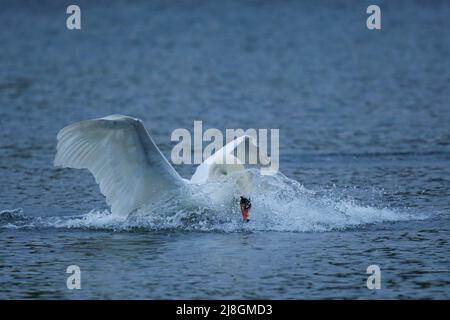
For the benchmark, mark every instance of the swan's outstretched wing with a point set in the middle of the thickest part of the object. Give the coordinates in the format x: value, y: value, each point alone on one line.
x: 243, y: 150
x: 123, y: 158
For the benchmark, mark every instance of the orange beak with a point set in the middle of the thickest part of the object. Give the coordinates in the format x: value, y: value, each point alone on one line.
x: 245, y: 213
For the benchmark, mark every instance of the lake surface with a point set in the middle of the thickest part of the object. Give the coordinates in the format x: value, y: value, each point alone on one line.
x: 364, y: 148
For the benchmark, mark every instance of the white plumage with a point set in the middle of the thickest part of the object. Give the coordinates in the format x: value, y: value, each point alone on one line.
x: 128, y: 166
x: 126, y: 163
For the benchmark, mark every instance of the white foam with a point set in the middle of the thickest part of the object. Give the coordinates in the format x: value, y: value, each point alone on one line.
x: 278, y: 204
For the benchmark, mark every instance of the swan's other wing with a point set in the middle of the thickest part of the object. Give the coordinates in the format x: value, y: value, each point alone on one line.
x: 119, y: 152
x: 243, y: 150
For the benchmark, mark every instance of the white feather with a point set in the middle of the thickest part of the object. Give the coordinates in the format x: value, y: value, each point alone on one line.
x: 126, y: 163
x: 234, y: 156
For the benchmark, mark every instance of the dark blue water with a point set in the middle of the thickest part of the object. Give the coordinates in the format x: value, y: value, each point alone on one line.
x: 364, y: 127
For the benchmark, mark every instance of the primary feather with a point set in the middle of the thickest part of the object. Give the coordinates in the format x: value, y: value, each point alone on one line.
x: 119, y: 152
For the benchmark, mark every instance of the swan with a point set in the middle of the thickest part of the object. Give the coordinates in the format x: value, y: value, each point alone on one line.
x: 129, y: 167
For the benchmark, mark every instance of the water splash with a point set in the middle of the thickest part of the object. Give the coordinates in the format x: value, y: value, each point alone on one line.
x: 278, y: 204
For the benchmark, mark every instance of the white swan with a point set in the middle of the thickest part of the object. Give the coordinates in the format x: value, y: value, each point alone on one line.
x: 128, y: 166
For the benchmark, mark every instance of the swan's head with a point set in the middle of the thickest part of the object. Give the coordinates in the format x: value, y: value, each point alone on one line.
x: 245, y: 205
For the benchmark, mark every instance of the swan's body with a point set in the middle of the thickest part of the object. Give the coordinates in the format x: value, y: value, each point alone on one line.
x: 128, y: 166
